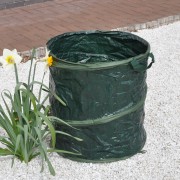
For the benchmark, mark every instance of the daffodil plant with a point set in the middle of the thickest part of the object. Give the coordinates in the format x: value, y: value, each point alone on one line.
x: 25, y: 118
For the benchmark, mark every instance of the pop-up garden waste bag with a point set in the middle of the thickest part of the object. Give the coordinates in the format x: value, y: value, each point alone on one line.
x: 101, y: 76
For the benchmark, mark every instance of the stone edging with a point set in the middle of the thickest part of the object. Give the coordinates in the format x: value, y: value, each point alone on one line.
x: 39, y: 52
x: 15, y: 3
x: 148, y: 25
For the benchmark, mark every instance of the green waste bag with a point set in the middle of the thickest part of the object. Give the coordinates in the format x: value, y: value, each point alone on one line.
x: 101, y: 76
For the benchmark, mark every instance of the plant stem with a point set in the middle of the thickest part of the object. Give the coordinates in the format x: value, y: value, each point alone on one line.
x: 33, y: 76
x: 33, y: 53
x: 32, y: 80
x: 40, y: 89
x: 16, y: 74
x: 29, y: 76
x: 30, y: 72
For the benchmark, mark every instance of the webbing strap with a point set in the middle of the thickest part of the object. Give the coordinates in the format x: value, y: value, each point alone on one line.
x: 108, y: 118
x: 63, y: 64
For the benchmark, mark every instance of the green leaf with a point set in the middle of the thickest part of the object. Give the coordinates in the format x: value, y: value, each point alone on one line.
x: 15, y: 106
x: 44, y: 148
x: 25, y: 119
x: 47, y: 89
x: 25, y: 134
x: 51, y: 169
x: 66, y: 134
x: 36, y: 82
x: 7, y: 107
x: 38, y: 131
x: 46, y: 111
x: 32, y: 156
x: 7, y: 126
x: 64, y: 152
x: 29, y: 134
x: 17, y: 87
x: 17, y: 143
x: 3, y: 137
x: 25, y: 143
x: 5, y: 152
x: 41, y: 105
x: 50, y: 126
x: 59, y: 99
x: 16, y: 148
x: 32, y: 98
x: 60, y: 121
x: 25, y: 104
x: 17, y: 100
x: 7, y: 143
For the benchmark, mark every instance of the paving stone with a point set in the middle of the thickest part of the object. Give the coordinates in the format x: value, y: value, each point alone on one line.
x: 38, y: 22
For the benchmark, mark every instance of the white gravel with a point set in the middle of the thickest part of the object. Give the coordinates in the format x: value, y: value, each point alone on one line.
x: 162, y: 124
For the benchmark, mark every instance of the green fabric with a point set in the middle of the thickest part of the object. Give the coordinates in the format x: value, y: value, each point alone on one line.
x: 106, y: 118
x: 101, y: 76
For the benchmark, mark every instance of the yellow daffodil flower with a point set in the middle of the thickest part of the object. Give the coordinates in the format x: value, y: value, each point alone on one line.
x: 10, y: 58
x: 48, y: 60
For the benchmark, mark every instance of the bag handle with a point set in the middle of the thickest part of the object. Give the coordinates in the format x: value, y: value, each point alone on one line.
x: 139, y: 67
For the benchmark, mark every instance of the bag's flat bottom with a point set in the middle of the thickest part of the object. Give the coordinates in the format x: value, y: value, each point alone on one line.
x: 108, y: 160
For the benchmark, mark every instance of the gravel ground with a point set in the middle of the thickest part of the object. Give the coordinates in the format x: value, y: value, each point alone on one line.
x: 162, y: 159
